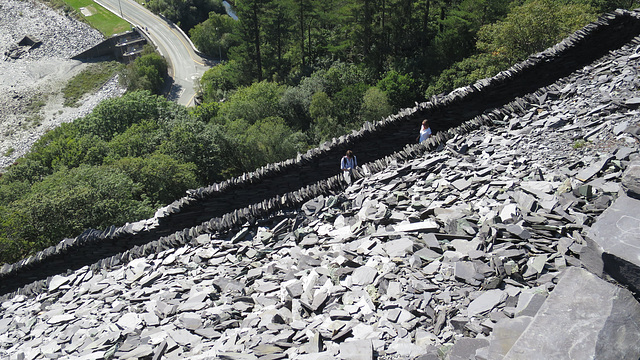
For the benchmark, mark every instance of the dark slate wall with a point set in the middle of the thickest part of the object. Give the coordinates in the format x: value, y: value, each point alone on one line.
x: 227, y: 205
x: 115, y: 46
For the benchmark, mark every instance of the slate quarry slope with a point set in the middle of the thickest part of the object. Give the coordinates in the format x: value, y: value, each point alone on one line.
x: 452, y: 252
x: 290, y: 183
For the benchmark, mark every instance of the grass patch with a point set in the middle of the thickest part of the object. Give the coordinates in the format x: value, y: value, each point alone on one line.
x: 36, y: 104
x: 580, y: 143
x: 89, y: 81
x: 34, y: 120
x: 102, y: 19
x: 9, y: 151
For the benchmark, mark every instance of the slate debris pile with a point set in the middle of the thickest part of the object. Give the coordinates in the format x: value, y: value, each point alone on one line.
x: 24, y: 46
x: 449, y: 255
x: 55, y: 35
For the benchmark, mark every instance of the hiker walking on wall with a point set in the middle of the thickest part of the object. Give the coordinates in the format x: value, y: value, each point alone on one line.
x: 348, y: 162
x: 425, y: 131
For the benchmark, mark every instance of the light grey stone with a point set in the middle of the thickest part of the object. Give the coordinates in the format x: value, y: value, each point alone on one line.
x: 505, y: 333
x: 60, y: 319
x: 423, y: 226
x: 631, y: 180
x: 196, y: 301
x: 616, y: 236
x: 586, y: 174
x: 149, y: 279
x: 129, y: 321
x: 584, y: 317
x: 364, y: 275
x: 356, y: 350
x: 465, y: 348
x: 529, y: 302
x: 57, y: 281
x: 485, y: 302
x: 398, y: 247
x: 519, y: 231
x: 184, y: 337
x: 191, y: 321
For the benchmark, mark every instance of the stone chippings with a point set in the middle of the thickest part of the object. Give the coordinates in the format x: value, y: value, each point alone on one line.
x: 452, y: 254
x: 61, y: 36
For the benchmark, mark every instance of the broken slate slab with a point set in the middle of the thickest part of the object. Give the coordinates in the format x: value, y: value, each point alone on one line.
x: 485, y: 302
x: 364, y: 275
x: 584, y: 317
x: 615, y: 236
x: 631, y: 180
x: 356, y: 350
x: 465, y: 348
x: 505, y: 333
x: 586, y: 174
x: 428, y: 225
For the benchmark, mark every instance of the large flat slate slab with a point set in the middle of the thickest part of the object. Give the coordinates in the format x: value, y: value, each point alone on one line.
x: 617, y: 233
x: 584, y: 317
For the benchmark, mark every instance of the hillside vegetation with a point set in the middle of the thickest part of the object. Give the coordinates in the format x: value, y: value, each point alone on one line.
x: 295, y: 73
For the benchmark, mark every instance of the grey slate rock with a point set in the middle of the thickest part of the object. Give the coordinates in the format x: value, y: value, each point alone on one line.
x: 505, y: 333
x: 465, y: 348
x: 57, y: 281
x: 615, y: 235
x: 529, y: 302
x: 356, y: 350
x: 586, y: 174
x: 631, y: 180
x: 364, y: 275
x: 584, y: 317
x: 485, y: 302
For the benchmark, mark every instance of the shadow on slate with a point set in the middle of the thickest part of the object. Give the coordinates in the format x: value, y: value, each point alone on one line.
x: 372, y: 143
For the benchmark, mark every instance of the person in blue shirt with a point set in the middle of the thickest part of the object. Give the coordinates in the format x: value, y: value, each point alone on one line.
x: 425, y: 131
x: 348, y: 162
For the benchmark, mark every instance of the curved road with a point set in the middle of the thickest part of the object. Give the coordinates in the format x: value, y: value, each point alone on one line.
x: 185, y: 66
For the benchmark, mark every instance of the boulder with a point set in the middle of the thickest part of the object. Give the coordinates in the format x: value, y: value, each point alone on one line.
x: 584, y: 317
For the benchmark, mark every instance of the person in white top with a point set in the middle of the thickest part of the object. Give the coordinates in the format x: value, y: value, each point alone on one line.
x: 425, y: 131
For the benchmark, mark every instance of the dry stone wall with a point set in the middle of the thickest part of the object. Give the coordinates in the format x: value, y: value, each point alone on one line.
x: 230, y: 204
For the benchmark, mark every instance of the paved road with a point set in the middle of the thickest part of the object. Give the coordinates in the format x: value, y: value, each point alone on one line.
x: 186, y: 67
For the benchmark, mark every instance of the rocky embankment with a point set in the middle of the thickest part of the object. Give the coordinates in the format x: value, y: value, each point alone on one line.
x: 477, y: 250
x: 32, y: 76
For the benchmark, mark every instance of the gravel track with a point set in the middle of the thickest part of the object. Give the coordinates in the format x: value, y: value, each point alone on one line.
x: 31, y: 102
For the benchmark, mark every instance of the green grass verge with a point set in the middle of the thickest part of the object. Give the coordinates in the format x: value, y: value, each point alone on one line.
x: 89, y: 80
x: 102, y: 19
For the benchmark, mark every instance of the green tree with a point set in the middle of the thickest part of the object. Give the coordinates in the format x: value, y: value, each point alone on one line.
x: 138, y: 140
x: 71, y: 200
x: 270, y: 140
x: 400, y: 89
x: 147, y: 72
x: 325, y: 123
x: 252, y: 103
x: 186, y: 13
x: 214, y: 36
x: 160, y: 177
x: 250, y: 28
x: 296, y: 100
x: 219, y: 82
x: 116, y: 115
x: 532, y: 27
x: 466, y: 72
x: 375, y: 105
